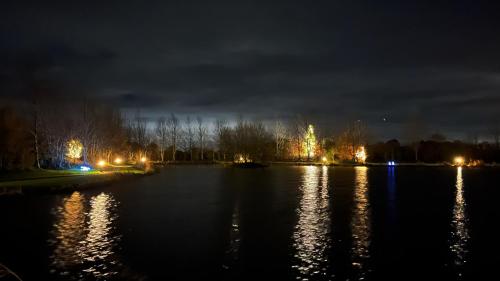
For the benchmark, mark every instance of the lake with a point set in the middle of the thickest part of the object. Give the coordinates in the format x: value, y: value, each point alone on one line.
x: 287, y: 223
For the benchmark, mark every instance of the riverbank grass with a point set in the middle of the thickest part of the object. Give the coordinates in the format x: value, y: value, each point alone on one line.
x: 43, y: 180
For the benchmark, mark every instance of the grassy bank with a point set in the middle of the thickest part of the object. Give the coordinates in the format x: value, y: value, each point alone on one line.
x: 43, y: 181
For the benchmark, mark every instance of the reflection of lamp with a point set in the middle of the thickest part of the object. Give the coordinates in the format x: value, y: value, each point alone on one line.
x: 118, y: 160
x: 100, y: 239
x: 311, y: 239
x: 361, y: 220
x: 68, y: 232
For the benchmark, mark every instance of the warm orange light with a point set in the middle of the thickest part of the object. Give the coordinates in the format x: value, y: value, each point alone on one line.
x: 101, y: 163
x: 361, y: 154
x: 144, y: 159
x: 459, y: 160
x: 74, y: 149
x: 324, y: 159
x: 118, y: 160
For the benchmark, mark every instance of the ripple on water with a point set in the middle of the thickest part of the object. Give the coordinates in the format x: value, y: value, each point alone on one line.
x: 83, y: 239
x: 460, y: 233
x: 360, y: 224
x: 311, y: 239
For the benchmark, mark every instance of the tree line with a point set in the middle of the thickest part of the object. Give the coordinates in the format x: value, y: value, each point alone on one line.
x: 37, y: 135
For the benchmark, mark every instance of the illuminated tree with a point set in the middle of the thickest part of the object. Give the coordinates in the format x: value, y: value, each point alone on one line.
x: 74, y: 149
x: 360, y: 155
x: 350, y: 142
x: 309, y: 142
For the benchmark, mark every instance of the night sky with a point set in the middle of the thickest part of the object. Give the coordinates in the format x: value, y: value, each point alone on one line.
x: 330, y: 61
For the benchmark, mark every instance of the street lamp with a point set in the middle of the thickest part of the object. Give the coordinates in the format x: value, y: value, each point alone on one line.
x: 459, y: 160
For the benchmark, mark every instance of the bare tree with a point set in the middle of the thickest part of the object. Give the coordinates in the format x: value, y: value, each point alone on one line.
x: 349, y: 141
x: 414, y: 132
x: 35, y: 132
x: 298, y: 129
x: 57, y: 131
x: 87, y: 130
x: 472, y: 137
x: 279, y: 135
x: 139, y: 134
x: 111, y: 135
x: 220, y: 128
x: 251, y: 141
x: 495, y: 133
x: 161, y: 133
x: 189, y: 136
x: 173, y: 129
x: 202, y: 134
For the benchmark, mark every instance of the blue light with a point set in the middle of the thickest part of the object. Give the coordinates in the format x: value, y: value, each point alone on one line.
x: 84, y: 168
x: 391, y: 163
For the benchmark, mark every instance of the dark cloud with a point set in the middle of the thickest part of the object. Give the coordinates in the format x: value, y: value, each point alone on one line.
x: 330, y: 60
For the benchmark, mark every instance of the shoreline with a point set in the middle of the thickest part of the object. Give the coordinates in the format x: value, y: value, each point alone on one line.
x: 304, y: 163
x: 64, y: 183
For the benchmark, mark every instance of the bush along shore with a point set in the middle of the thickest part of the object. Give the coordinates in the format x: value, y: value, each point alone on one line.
x: 52, y: 181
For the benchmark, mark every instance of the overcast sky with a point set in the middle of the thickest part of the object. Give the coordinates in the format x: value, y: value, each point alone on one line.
x: 330, y: 61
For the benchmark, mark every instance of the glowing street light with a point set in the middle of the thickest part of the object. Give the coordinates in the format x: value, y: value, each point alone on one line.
x: 101, y: 163
x: 459, y: 160
x: 118, y: 160
x: 144, y: 159
x: 324, y: 159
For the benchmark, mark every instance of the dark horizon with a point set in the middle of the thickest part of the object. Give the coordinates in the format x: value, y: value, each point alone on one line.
x: 384, y: 63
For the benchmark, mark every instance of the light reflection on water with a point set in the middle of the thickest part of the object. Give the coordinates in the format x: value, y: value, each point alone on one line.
x: 391, y: 186
x: 311, y: 236
x: 360, y: 223
x: 68, y: 233
x: 460, y: 232
x: 83, y: 243
x: 233, y: 249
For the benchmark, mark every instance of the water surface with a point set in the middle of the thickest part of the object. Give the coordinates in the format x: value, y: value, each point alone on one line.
x: 288, y: 223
